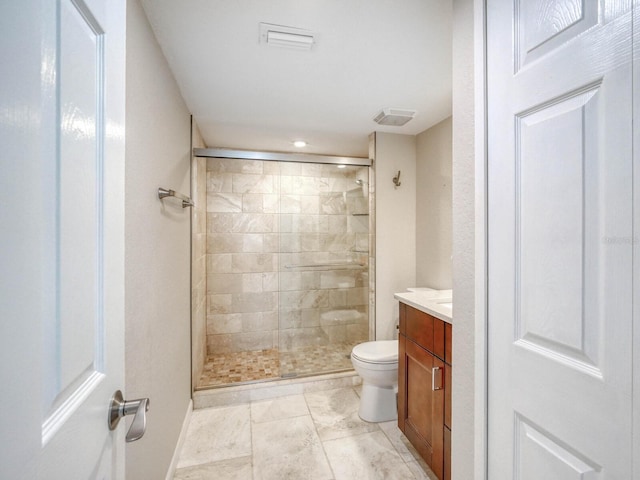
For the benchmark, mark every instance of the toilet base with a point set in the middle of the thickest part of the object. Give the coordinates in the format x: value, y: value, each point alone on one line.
x: 378, y: 404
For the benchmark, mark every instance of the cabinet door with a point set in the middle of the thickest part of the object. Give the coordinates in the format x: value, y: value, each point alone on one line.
x: 424, y: 405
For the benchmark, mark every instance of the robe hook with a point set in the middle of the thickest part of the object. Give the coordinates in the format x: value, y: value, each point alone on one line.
x: 396, y: 179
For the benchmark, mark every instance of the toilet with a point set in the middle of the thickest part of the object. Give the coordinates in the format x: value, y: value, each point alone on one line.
x: 377, y: 364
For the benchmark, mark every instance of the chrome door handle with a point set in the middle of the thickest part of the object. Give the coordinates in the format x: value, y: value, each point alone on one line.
x: 120, y: 407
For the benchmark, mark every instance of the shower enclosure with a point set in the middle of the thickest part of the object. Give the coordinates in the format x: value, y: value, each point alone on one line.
x: 287, y: 268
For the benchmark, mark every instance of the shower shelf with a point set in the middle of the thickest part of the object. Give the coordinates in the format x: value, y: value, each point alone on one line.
x: 360, y: 214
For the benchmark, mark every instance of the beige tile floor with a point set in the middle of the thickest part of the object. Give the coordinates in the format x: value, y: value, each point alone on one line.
x: 314, y: 436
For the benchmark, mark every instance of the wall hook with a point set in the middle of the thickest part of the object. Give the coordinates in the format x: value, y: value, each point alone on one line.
x: 396, y: 179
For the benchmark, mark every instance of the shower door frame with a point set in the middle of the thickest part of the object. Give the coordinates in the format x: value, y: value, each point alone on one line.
x: 224, y: 153
x: 215, y: 152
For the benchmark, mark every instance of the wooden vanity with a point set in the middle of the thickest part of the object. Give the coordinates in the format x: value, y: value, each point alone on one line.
x: 424, y: 385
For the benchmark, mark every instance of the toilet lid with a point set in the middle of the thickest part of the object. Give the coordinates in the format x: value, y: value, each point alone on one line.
x: 381, y: 351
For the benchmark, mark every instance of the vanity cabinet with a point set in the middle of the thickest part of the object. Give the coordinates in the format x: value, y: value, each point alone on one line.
x: 424, y: 393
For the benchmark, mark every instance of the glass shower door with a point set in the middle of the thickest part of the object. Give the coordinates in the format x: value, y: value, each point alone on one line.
x: 323, y: 266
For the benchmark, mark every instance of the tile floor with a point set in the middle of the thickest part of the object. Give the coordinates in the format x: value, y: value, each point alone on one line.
x: 312, y: 436
x: 224, y: 369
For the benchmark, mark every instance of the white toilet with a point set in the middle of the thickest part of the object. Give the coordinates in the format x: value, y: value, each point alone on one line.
x: 377, y: 364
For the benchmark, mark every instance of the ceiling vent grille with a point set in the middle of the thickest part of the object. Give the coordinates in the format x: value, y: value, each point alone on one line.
x: 287, y: 37
x: 394, y: 117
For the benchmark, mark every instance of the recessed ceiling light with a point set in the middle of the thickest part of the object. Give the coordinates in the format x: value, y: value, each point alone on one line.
x: 342, y: 166
x: 300, y: 144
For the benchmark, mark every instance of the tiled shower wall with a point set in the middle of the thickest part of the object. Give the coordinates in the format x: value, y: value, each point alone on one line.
x: 272, y: 228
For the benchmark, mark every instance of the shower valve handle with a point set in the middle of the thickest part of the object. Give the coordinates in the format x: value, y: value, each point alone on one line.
x: 120, y: 407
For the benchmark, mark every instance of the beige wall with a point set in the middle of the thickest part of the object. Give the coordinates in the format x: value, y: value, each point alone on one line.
x: 157, y: 245
x: 395, y: 226
x: 433, y: 206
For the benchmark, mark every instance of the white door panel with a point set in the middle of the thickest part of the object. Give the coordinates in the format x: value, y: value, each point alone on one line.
x: 560, y: 208
x: 64, y: 326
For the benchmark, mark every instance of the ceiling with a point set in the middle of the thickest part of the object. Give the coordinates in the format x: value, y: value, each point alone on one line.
x: 368, y: 55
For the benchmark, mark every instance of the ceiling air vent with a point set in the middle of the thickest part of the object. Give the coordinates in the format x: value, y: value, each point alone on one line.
x: 394, y: 117
x: 288, y: 37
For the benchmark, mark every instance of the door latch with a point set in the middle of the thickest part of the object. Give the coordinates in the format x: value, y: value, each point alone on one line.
x: 120, y: 407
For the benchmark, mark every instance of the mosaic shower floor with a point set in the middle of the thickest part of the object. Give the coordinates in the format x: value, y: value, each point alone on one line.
x: 228, y: 368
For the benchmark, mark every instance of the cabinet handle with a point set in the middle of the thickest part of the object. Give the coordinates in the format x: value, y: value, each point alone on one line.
x: 436, y: 386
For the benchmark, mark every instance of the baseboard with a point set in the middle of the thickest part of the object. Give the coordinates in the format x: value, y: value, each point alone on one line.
x: 241, y: 394
x: 183, y: 435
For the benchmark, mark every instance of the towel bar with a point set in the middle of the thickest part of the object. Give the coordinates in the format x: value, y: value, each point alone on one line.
x: 164, y: 192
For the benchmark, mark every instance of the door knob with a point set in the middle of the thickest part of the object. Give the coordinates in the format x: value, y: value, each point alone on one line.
x: 120, y: 407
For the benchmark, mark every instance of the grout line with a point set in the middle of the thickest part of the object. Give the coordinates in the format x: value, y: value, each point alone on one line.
x: 251, y: 436
x: 315, y: 427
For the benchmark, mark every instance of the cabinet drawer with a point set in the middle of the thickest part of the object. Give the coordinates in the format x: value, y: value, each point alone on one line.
x: 424, y: 329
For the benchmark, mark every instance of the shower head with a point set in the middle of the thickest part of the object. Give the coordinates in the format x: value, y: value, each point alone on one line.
x: 361, y: 182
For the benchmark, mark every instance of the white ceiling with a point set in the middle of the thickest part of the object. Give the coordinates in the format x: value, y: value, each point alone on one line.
x: 370, y: 54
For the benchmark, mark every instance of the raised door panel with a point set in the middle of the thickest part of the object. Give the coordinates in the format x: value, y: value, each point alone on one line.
x: 419, y: 399
x: 424, y: 421
x: 75, y: 341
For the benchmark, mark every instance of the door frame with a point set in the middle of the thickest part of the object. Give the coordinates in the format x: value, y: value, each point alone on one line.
x: 481, y: 144
x: 472, y: 130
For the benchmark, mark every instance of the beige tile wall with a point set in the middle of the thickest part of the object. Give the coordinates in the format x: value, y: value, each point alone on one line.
x: 264, y: 221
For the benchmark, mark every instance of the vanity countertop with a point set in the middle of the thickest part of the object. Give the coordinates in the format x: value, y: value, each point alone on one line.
x: 434, y: 302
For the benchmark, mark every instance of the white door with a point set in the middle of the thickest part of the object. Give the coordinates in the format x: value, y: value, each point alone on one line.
x: 61, y: 255
x: 560, y: 239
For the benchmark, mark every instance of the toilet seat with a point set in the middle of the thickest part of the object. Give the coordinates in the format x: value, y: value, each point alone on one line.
x: 378, y: 352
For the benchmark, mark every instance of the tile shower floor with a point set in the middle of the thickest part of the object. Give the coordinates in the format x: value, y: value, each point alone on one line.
x: 228, y: 368
x: 314, y: 436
